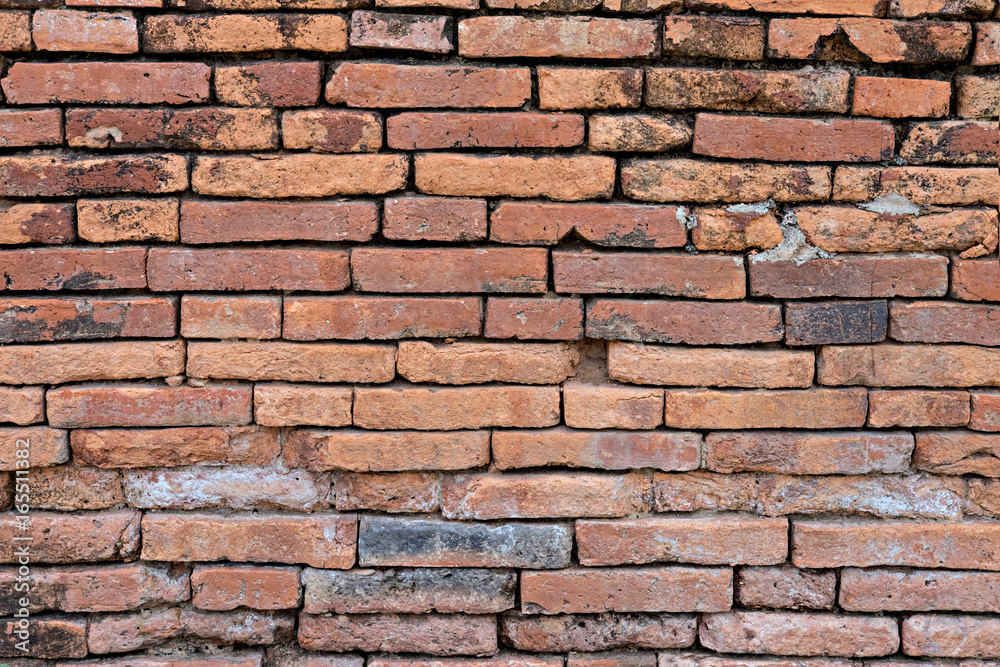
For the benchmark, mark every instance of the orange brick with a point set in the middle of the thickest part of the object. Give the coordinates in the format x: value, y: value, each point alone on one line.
x: 94, y: 406
x: 577, y: 88
x: 778, y: 408
x: 612, y: 406
x: 539, y: 319
x: 704, y: 277
x: 92, y: 32
x: 575, y: 37
x: 608, y: 450
x: 242, y: 33
x: 291, y: 362
x: 390, y: 85
x: 365, y: 451
x: 107, y: 83
x: 421, y: 131
x: 901, y: 98
x: 257, y: 317
x: 380, y: 318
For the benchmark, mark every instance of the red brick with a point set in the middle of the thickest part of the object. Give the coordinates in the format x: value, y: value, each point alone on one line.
x: 115, y: 220
x: 550, y: 37
x: 365, y: 451
x: 793, y: 139
x: 809, y: 454
x: 729, y: 38
x: 36, y: 223
x: 984, y: 498
x: 598, y: 632
x: 545, y: 5
x: 539, y: 319
x: 205, y: 129
x: 239, y: 627
x: 322, y: 539
x: 379, y: 318
x: 704, y: 277
x: 257, y: 5
x: 985, y: 411
x: 79, y: 362
x: 958, y: 453
x: 476, y: 363
x: 900, y: 98
x: 559, y: 177
x: 709, y: 366
x: 176, y: 269
x: 22, y: 405
x: 603, y: 224
x: 70, y: 488
x: 787, y: 587
x: 411, y: 131
x: 836, y: 7
x: 485, y: 497
x: 913, y: 408
x: 695, y: 180
x: 434, y: 219
x: 612, y: 406
x: 291, y: 362
x: 869, y: 542
x: 406, y: 32
x: 278, y: 84
x: 30, y: 128
x: 943, y: 322
x: 51, y: 637
x: 987, y: 51
x: 919, y: 590
x: 859, y: 277
x: 390, y: 85
x: 93, y: 406
x: 332, y: 131
x: 389, y: 492
x: 256, y: 317
x: 783, y: 633
x: 977, y: 96
x: 185, y: 658
x: 952, y: 142
x: 107, y: 83
x: 290, y: 655
x: 222, y: 222
x: 449, y: 270
x: 975, y: 279
x: 124, y: 448
x: 695, y: 323
x: 908, y: 365
x: 29, y: 320
x: 15, y: 31
x: 607, y: 450
x: 450, y: 408
x: 720, y: 540
x: 69, y: 175
x: 76, y: 269
x: 695, y: 491
x: 299, y: 175
x: 598, y: 590
x: 779, y: 408
x: 292, y: 405
x: 640, y: 134
x: 226, y: 587
x: 118, y: 633
x: 951, y: 636
x: 747, y: 90
x: 74, y: 538
x: 435, y: 634
x: 940, y: 8
x: 93, y: 32
x: 242, y: 33
x: 880, y: 40
x: 641, y: 6
x: 578, y: 88
x: 45, y: 447
x: 442, y: 4
x: 920, y: 185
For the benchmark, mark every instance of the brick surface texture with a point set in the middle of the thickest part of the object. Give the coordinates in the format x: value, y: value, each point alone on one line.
x: 499, y: 333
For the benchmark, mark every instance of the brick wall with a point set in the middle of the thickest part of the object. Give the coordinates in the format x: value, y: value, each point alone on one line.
x: 501, y: 333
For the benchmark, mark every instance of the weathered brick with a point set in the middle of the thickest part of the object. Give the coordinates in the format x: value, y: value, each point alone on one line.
x: 856, y: 453
x: 308, y: 269
x: 257, y: 317
x: 820, y: 543
x: 641, y: 6
x: 74, y: 269
x: 119, y: 633
x: 920, y: 185
x: 836, y: 7
x: 70, y: 175
x: 700, y: 181
x: 449, y: 270
x: 476, y: 363
x: 719, y: 540
x: 975, y: 279
x: 292, y: 405
x: 107, y: 83
x: 74, y: 538
x: 910, y: 408
x: 51, y: 637
x: 22, y: 405
x: 204, y: 129
x: 748, y: 90
x: 45, y: 447
x: 80, y: 362
x: 597, y: 632
x: 30, y: 128
x: 977, y: 96
x: 452, y: 408
x: 859, y: 277
x: 299, y: 175
x: 550, y: 37
x: 227, y: 587
x: 705, y: 277
x: 608, y: 450
x: 115, y: 220
x: 407, y: 32
x: 603, y: 224
x: 90, y: 406
x: 984, y: 498
x: 786, y: 587
x: 32, y: 319
x: 639, y: 134
x: 391, y: 85
x: 987, y: 51
x: 223, y: 222
x: 291, y: 362
x: 695, y: 491
x: 258, y: 5
x: 239, y: 627
x: 125, y: 448
x: 15, y: 31
x: 71, y: 488
x: 408, y: 591
x: 793, y: 139
x: 320, y: 539
x: 908, y: 365
x: 364, y: 451
x: 379, y: 318
x: 735, y: 228
x: 919, y: 590
x: 900, y: 98
x: 777, y: 408
x: 527, y: 319
x: 612, y: 406
x: 389, y: 492
x: 332, y: 131
x: 278, y: 84
x: 434, y: 219
x: 942, y: 322
x: 836, y: 322
x: 242, y: 33
x: 952, y: 142
x: 709, y: 366
x: 93, y: 32
x: 940, y: 8
x: 882, y: 41
x: 36, y: 223
x: 951, y: 636
x: 578, y: 88
x: 783, y: 633
x: 290, y: 655
x: 643, y: 589
x: 985, y: 411
x: 563, y: 178
x: 410, y: 131
x: 725, y: 37
x: 695, y: 323
x: 435, y: 634
x: 958, y: 453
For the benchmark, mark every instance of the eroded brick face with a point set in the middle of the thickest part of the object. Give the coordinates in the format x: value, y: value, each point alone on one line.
x: 500, y: 333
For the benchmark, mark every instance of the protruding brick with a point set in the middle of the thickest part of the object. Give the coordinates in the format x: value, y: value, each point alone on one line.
x: 603, y: 224
x: 256, y: 317
x: 434, y: 219
x: 612, y: 406
x: 291, y: 362
x: 951, y: 636
x: 597, y: 632
x: 390, y: 85
x: 572, y: 37
x: 124, y: 448
x: 920, y: 185
x: 226, y: 587
x: 952, y: 142
x: 704, y: 277
x: 449, y: 270
x: 528, y: 319
x: 36, y: 223
x: 695, y: 323
x: 435, y: 634
x: 92, y: 406
x: 380, y: 317
x: 638, y: 134
x: 726, y: 37
x: 476, y: 363
x: 784, y: 633
x: 881, y: 41
x: 915, y: 408
x: 278, y: 84
x: 809, y: 454
x: 308, y: 269
x: 919, y: 590
x: 229, y: 222
x: 295, y: 404
x: 786, y: 587
x: 778, y: 408
x: 74, y: 538
x: 22, y: 405
x: 908, y: 365
x: 242, y: 33
x: 858, y: 277
x: 987, y: 50
x: 365, y: 451
x: 608, y: 450
x: 30, y: 320
x: 749, y: 90
x: 71, y: 175
x: 107, y: 83
x: 578, y: 88
x: 80, y: 362
x: 958, y: 453
x: 702, y: 181
x: 977, y: 96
